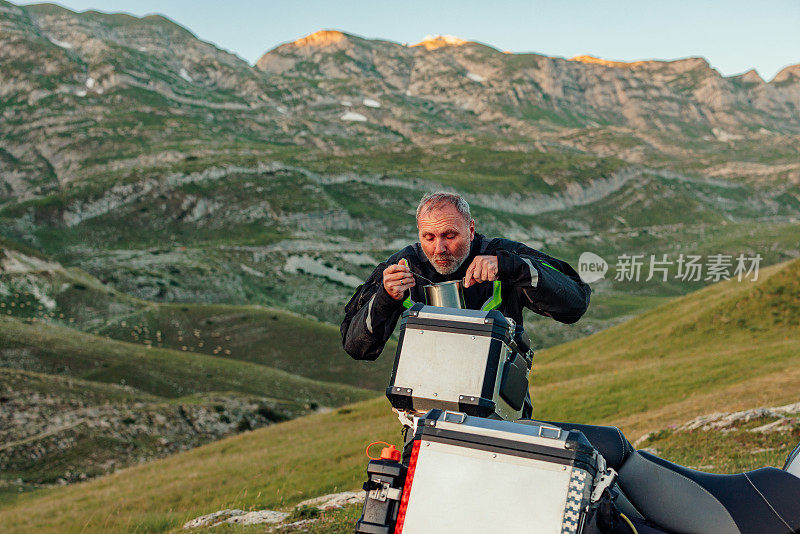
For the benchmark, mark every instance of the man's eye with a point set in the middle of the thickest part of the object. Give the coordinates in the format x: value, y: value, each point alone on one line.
x: 450, y: 236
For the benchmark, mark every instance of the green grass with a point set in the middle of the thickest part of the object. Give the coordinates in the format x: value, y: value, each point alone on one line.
x: 53, y: 436
x: 269, y: 337
x: 84, y: 369
x: 64, y: 296
x: 737, y: 449
x: 607, y: 309
x: 298, y: 460
x: 475, y: 168
x: 274, y: 338
x: 168, y: 373
x: 679, y: 358
x: 70, y: 389
x: 642, y: 375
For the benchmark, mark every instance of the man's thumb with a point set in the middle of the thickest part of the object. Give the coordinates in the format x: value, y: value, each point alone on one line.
x: 403, y: 262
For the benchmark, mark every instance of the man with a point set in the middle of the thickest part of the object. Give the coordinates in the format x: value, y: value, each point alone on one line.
x: 449, y: 249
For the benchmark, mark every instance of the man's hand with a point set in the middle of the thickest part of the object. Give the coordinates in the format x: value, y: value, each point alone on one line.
x: 482, y: 269
x: 397, y: 278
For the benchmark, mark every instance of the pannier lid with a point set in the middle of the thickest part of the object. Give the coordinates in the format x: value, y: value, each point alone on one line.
x: 467, y: 316
x: 530, y: 439
x: 454, y: 320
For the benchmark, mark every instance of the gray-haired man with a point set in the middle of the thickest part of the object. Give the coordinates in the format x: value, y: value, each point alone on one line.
x: 449, y: 249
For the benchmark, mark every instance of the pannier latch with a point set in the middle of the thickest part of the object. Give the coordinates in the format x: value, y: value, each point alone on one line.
x: 605, y: 481
x: 454, y: 417
x: 552, y: 432
x: 384, y: 492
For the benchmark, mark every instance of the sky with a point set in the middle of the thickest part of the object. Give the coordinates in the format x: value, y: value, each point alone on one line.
x: 733, y: 35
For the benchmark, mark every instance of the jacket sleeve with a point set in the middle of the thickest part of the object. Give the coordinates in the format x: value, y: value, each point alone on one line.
x: 370, y: 318
x: 548, y: 286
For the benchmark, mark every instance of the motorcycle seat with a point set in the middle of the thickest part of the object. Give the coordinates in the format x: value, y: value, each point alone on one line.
x: 682, y: 500
x: 608, y: 440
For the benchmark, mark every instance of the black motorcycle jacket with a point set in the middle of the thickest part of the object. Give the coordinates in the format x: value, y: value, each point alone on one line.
x: 529, y: 278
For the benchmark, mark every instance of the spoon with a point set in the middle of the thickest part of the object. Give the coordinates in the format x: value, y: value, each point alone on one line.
x: 426, y: 279
x: 431, y: 282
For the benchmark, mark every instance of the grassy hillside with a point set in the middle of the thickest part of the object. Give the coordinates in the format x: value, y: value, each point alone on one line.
x: 729, y: 443
x: 168, y: 373
x: 58, y: 430
x: 729, y: 346
x: 274, y: 338
x: 37, y: 287
x: 94, y: 380
x: 291, y: 462
x: 76, y: 405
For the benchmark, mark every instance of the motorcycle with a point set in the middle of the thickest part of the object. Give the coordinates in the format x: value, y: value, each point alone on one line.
x: 474, y: 461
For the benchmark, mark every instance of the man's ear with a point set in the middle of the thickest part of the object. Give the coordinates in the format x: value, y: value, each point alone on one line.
x: 471, y: 229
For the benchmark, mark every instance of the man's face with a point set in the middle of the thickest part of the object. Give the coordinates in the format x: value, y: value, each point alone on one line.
x: 445, y: 238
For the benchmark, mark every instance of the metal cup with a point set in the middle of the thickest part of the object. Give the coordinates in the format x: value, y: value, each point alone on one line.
x: 445, y: 295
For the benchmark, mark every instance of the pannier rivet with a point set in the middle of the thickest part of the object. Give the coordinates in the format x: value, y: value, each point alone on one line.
x: 422, y: 331
x: 435, y: 394
x: 563, y: 467
x: 494, y: 456
x: 473, y: 338
x: 472, y: 398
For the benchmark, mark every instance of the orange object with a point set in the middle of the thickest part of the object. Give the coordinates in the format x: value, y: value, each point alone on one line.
x: 387, y: 453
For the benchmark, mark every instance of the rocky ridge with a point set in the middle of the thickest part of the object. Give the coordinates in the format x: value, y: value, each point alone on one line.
x: 77, y: 88
x: 484, y: 80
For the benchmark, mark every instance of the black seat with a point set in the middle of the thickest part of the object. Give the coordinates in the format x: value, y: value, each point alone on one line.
x: 608, y: 440
x: 679, y: 499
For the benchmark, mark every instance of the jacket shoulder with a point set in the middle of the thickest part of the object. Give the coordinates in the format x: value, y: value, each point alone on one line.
x: 411, y: 253
x: 499, y: 243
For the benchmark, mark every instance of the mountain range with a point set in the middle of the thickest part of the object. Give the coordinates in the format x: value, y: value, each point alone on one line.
x: 174, y: 171
x: 82, y: 89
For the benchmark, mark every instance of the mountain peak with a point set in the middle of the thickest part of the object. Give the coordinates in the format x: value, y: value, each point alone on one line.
x: 788, y: 74
x: 321, y: 38
x: 751, y: 76
x: 605, y: 62
x: 432, y: 42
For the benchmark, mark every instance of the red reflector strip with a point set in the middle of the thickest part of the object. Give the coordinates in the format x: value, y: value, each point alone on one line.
x: 412, y: 466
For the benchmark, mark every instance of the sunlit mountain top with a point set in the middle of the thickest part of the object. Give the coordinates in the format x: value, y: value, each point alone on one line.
x: 432, y: 42
x: 321, y: 38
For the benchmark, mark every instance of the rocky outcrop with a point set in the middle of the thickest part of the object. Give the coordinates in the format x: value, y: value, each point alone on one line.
x: 240, y: 517
x: 778, y: 418
x: 783, y: 416
x: 39, y: 428
x: 236, y: 517
x: 16, y: 263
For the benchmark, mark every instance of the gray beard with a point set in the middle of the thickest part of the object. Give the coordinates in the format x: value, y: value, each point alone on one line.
x: 453, y: 267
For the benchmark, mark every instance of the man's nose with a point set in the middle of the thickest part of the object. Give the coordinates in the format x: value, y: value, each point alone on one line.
x: 440, y: 246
